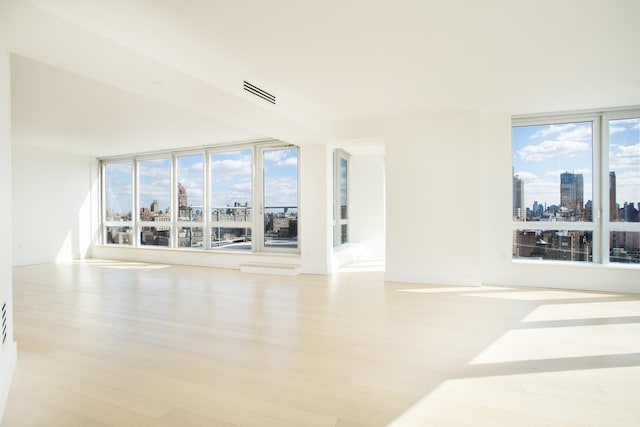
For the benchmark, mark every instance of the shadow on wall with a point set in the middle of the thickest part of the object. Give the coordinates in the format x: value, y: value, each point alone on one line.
x: 51, y: 198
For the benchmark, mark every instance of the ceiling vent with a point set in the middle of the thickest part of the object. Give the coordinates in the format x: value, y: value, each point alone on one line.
x: 259, y: 92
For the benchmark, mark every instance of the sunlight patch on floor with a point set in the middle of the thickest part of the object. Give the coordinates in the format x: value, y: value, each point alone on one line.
x: 605, y: 396
x: 585, y: 310
x: 442, y: 289
x: 539, y: 295
x: 562, y: 342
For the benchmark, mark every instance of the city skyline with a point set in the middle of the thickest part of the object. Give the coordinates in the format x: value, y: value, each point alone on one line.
x: 230, y: 180
x: 542, y: 153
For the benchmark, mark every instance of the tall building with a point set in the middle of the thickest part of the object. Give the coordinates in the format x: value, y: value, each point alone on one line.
x: 572, y: 191
x: 613, y: 206
x: 518, y: 198
x: 183, y: 202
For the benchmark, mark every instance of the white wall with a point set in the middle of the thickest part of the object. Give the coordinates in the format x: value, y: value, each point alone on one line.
x: 367, y: 205
x: 8, y: 348
x: 448, y: 207
x: 51, y: 205
x: 433, y: 199
x: 316, y: 201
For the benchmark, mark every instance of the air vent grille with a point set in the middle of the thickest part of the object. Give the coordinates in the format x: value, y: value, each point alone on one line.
x: 259, y: 92
x: 4, y: 322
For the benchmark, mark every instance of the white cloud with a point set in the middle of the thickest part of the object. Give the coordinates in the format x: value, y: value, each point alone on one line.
x: 286, y: 157
x: 281, y: 192
x: 616, y: 129
x: 550, y: 149
x: 628, y: 186
x: 580, y: 133
x: 291, y: 161
x: 634, y: 123
x: 552, y: 130
x: 276, y: 155
x: 542, y: 191
x: 195, y: 169
x: 228, y: 169
x: 526, y: 175
x: 624, y: 156
x: 118, y: 168
x: 243, y: 186
x: 227, y: 195
x: 558, y: 172
x: 583, y: 171
x: 157, y: 169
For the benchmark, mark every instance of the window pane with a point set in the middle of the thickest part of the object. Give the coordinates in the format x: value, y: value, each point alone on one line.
x: 230, y: 184
x: 119, y: 235
x: 234, y: 214
x: 624, y: 170
x: 190, y: 188
x: 625, y: 246
x: 344, y: 234
x: 228, y: 238
x: 343, y: 188
x: 281, y: 198
x: 558, y: 245
x: 190, y: 237
x: 155, y: 190
x: 155, y: 236
x: 117, y: 185
x: 552, y: 172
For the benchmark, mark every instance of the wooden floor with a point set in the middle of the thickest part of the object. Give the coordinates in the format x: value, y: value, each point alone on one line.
x: 107, y: 343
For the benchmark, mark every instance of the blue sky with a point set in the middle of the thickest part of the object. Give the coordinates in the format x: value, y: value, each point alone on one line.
x: 230, y: 180
x: 118, y: 187
x: 542, y: 153
x: 190, y: 169
x: 155, y: 183
x: 281, y: 177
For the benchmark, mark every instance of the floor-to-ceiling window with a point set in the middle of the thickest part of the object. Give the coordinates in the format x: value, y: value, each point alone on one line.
x: 189, y: 198
x: 279, y: 198
x: 233, y: 198
x: 117, y: 199
x: 576, y: 187
x: 340, y: 198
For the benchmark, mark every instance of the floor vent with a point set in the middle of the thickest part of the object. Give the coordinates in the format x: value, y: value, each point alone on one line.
x: 259, y: 92
x: 4, y: 322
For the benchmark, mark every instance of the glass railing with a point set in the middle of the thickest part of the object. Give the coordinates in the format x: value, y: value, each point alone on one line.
x: 228, y: 238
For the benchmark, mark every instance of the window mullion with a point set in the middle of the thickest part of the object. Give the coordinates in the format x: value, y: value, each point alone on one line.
x: 173, y: 203
x: 598, y: 190
x: 604, y: 191
x: 135, y: 204
x: 206, y: 201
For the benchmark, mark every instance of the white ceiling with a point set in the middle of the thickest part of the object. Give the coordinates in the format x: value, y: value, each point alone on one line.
x: 151, y: 74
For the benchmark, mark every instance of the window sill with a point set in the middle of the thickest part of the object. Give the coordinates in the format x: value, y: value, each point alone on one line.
x: 202, y: 251
x: 574, y: 264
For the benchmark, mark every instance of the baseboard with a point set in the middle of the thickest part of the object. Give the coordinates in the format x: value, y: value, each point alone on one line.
x: 433, y: 279
x: 8, y: 359
x: 270, y: 268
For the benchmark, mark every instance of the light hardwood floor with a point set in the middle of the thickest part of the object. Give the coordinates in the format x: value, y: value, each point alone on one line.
x: 106, y: 343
